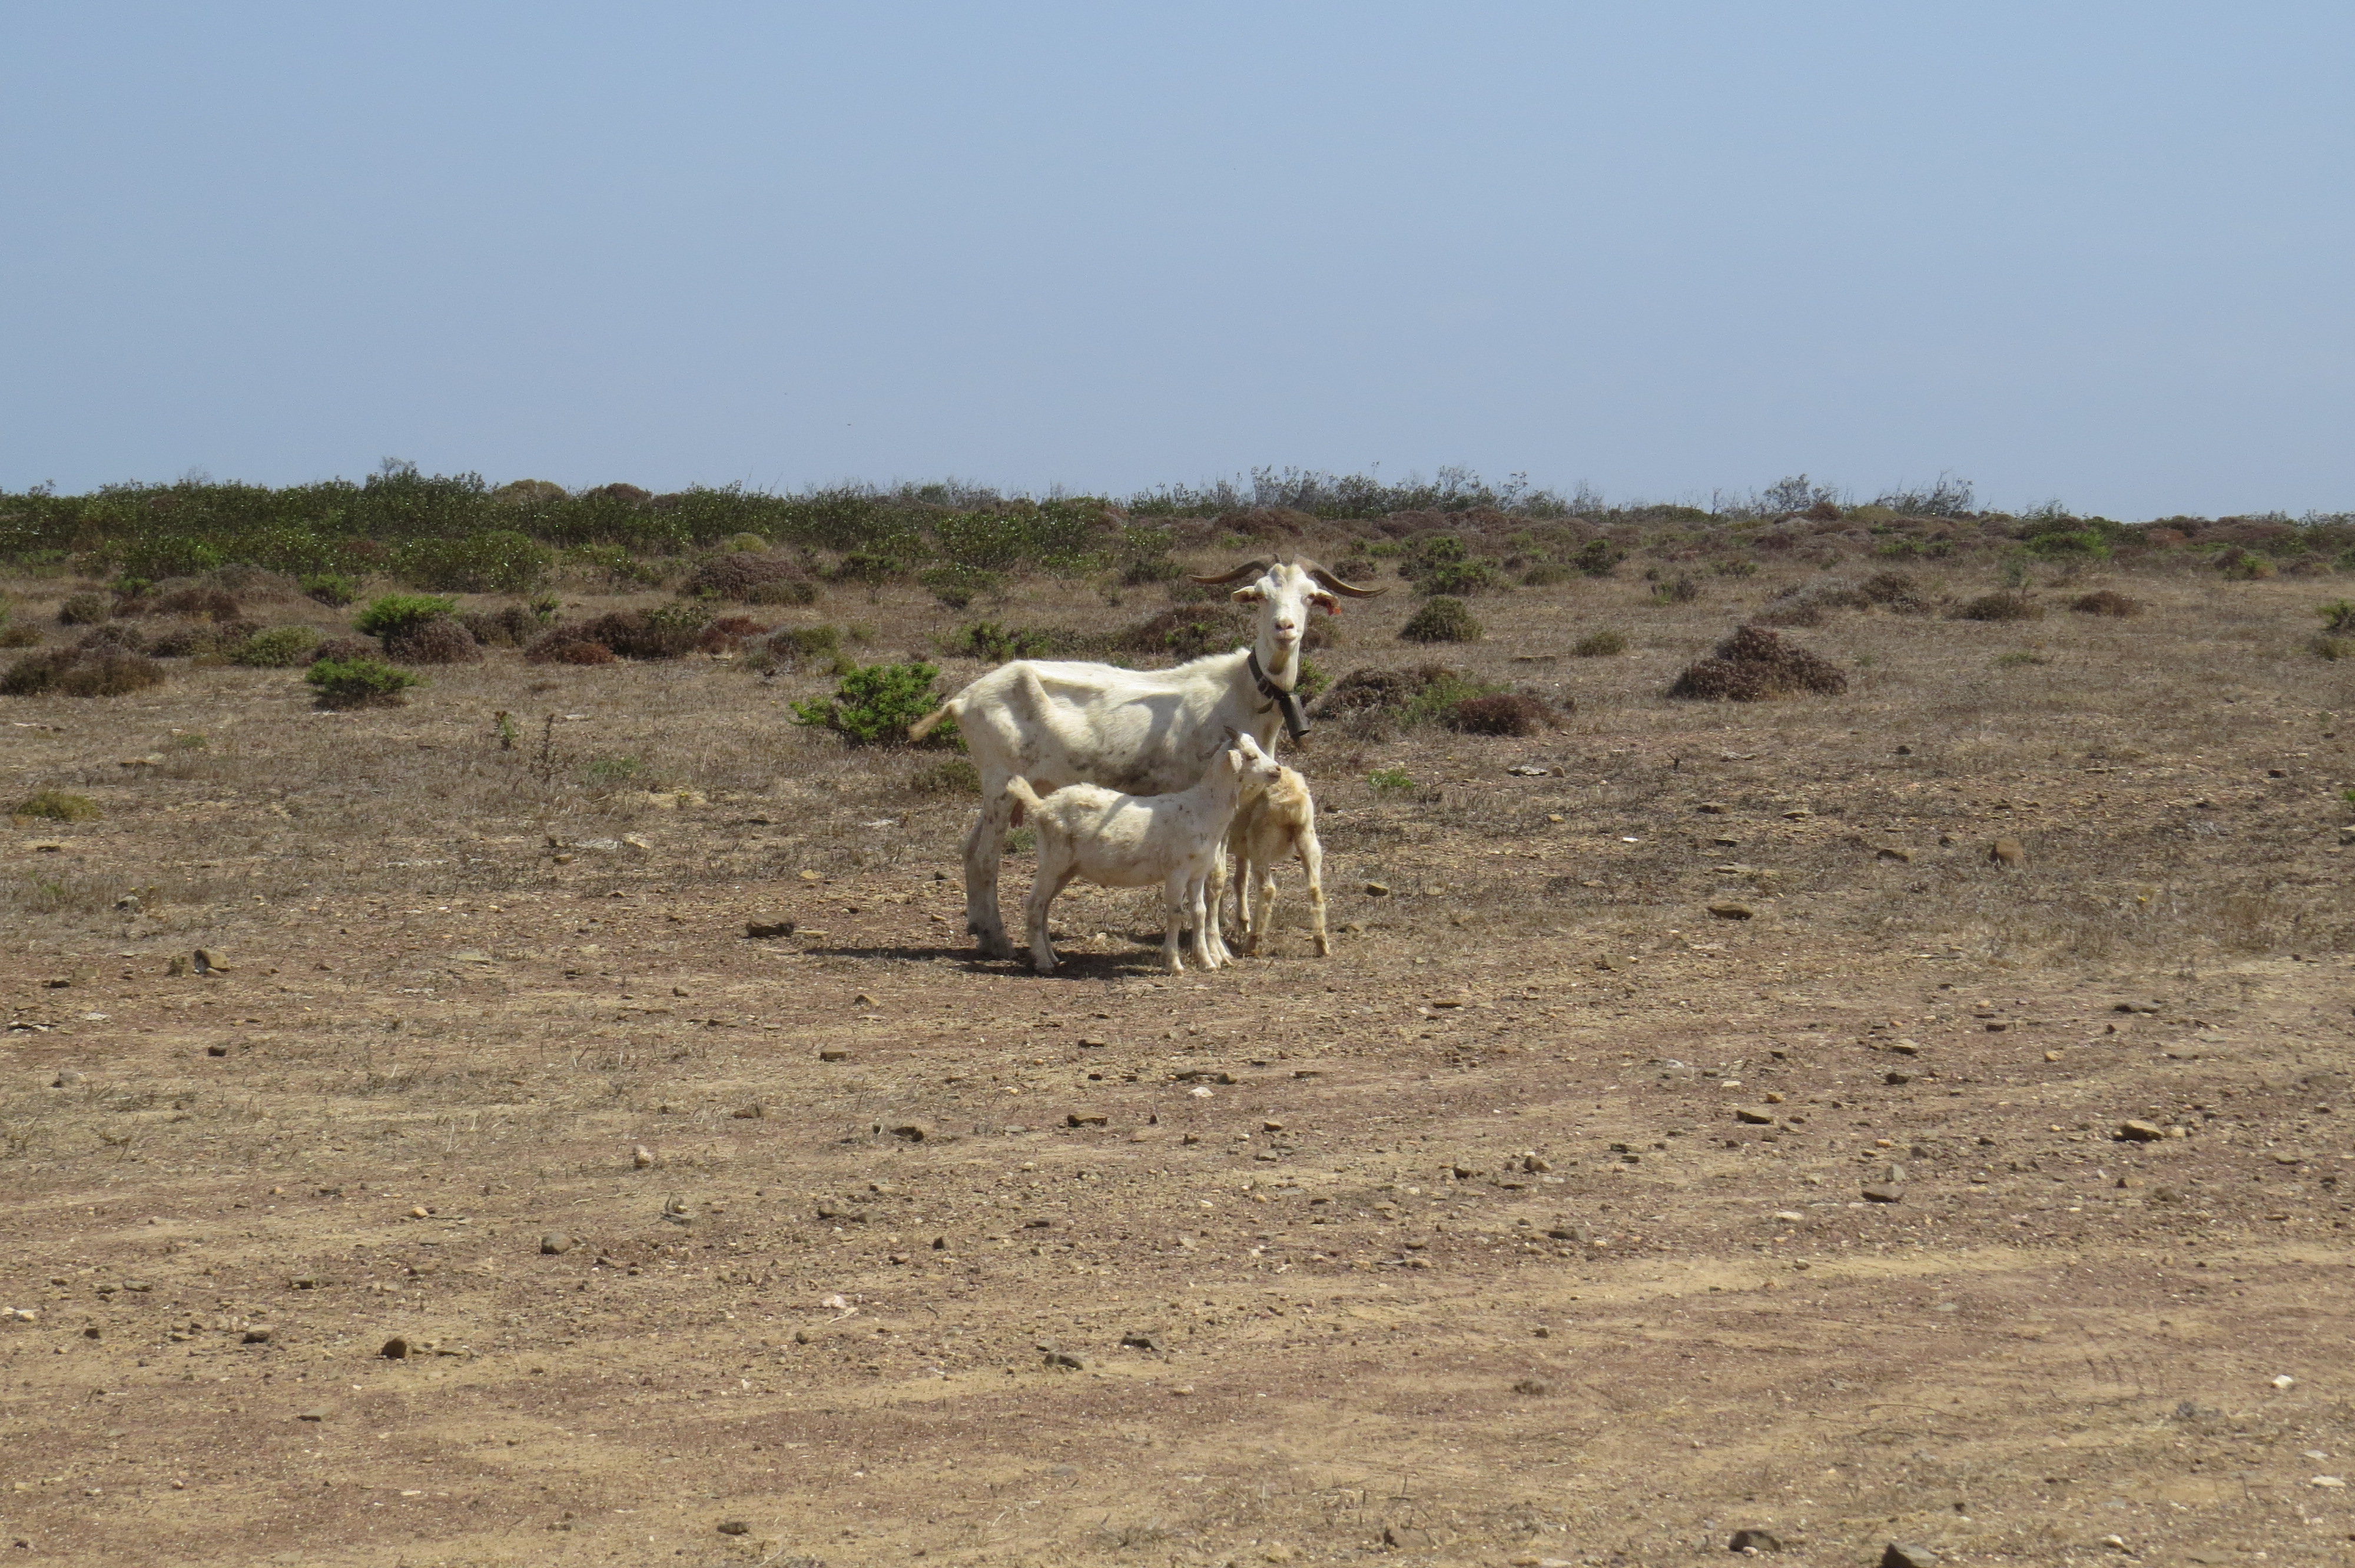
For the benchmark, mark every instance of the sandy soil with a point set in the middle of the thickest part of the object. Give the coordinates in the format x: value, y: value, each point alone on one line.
x: 1552, y: 1220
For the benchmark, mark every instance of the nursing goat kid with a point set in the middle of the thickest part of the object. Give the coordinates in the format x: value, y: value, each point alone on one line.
x: 1146, y: 732
x: 1135, y: 841
x: 1280, y: 822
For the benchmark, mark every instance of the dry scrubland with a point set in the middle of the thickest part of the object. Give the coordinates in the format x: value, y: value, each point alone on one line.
x: 1539, y: 1225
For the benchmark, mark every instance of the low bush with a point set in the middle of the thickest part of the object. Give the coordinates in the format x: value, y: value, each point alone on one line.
x: 510, y: 626
x: 1441, y: 619
x: 2105, y: 601
x: 278, y: 648
x: 55, y: 806
x: 2332, y: 648
x: 1598, y: 557
x: 1679, y: 590
x: 345, y: 649
x: 1506, y: 713
x: 2245, y: 566
x: 359, y: 683
x: 996, y: 645
x: 19, y: 634
x: 80, y: 673
x: 332, y: 588
x: 1373, y: 702
x: 567, y: 646
x: 949, y: 776
x: 398, y: 613
x: 497, y: 561
x: 875, y: 704
x: 807, y: 644
x: 730, y: 634
x: 741, y: 575
x: 665, y: 631
x: 85, y: 609
x: 198, y: 603
x: 1894, y: 591
x: 1600, y: 645
x: 2004, y: 604
x: 1753, y: 665
x: 1186, y: 632
x: 198, y: 638
x: 2338, y: 617
x: 958, y: 586
x: 1545, y: 574
x: 441, y: 640
x: 115, y: 634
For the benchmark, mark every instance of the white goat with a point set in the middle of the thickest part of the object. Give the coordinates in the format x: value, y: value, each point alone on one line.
x: 1147, y: 731
x: 1280, y: 822
x: 1135, y: 841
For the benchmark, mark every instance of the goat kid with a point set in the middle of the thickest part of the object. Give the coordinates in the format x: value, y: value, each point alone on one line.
x: 1056, y: 723
x: 1280, y: 823
x: 1135, y: 841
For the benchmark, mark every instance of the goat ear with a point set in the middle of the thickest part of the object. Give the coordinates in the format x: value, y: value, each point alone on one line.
x: 1326, y: 602
x: 1246, y: 596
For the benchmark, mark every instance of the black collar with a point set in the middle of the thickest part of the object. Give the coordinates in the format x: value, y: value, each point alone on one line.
x: 1296, y: 723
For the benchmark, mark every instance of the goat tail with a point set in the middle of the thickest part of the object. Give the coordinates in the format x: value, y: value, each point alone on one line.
x: 926, y: 725
x: 1025, y: 798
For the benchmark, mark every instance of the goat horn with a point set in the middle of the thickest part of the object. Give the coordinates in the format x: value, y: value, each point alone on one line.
x: 1324, y: 576
x: 1248, y: 569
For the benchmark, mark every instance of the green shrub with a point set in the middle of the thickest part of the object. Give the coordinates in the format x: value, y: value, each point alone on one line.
x: 441, y: 640
x: 1598, y: 557
x: 957, y: 587
x: 359, y: 683
x: 2332, y: 648
x: 278, y: 648
x: 1390, y: 780
x: 19, y: 635
x: 615, y: 566
x: 1311, y: 682
x: 510, y: 626
x: 1679, y: 590
x: 986, y: 640
x: 665, y: 631
x: 2338, y: 617
x: 611, y: 771
x: 55, y: 806
x: 1184, y: 632
x: 498, y: 561
x: 85, y: 609
x: 1600, y: 645
x: 397, y: 614
x: 1441, y: 619
x: 876, y: 703
x: 332, y: 589
x: 1545, y: 574
x: 807, y: 644
x: 2105, y: 601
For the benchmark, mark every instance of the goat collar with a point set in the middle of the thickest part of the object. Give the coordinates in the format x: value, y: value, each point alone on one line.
x: 1296, y: 723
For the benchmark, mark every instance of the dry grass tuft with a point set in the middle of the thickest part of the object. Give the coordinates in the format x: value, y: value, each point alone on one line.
x: 1754, y: 665
x: 440, y: 641
x: 2004, y: 604
x: 55, y: 806
x: 1442, y: 619
x: 2105, y: 601
x: 1506, y: 713
x: 1601, y: 645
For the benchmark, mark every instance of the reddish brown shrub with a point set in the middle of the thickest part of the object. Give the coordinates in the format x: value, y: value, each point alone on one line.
x: 1753, y: 666
x: 1507, y: 713
x: 2105, y: 601
x: 744, y: 575
x: 344, y: 650
x: 440, y: 641
x: 566, y: 645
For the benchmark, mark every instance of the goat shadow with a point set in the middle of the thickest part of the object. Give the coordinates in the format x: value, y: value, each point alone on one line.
x: 1072, y: 964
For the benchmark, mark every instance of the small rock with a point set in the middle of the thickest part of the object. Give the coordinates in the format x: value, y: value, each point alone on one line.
x: 1085, y: 1118
x: 914, y: 1131
x: 765, y: 930
x: 65, y: 1079
x: 862, y: 999
x: 1752, y: 1117
x: 394, y: 1349
x: 129, y: 904
x: 1755, y: 1541
x: 1064, y: 1361
x: 1898, y: 856
x: 833, y: 1054
x: 1536, y: 1388
x: 1884, y: 1192
x: 1733, y: 911
x: 1899, y: 1556
x: 1405, y: 1536
x: 210, y: 962
x: 1790, y: 1217
x: 733, y: 1527
x: 641, y: 1157
x: 1271, y: 1127
x: 753, y: 1112
x: 2139, y: 1132
x: 1137, y: 1340
x: 555, y: 1244
x: 312, y: 1415
x: 2008, y: 853
x: 2116, y: 1542
x: 216, y: 1050
x: 1378, y: 890
x: 1896, y: 1077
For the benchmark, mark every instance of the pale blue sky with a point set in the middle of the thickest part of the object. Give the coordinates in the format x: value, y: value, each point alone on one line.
x: 2097, y: 253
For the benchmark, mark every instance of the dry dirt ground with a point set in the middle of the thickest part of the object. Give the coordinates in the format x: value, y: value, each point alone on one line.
x: 1531, y: 1227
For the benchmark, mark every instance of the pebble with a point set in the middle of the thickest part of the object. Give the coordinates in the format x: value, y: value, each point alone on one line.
x: 1752, y: 1117
x: 394, y: 1349
x: 312, y: 1415
x: 833, y: 1054
x: 764, y: 931
x: 914, y: 1131
x: 1755, y: 1541
x: 210, y: 962
x: 1731, y: 911
x: 555, y: 1244
x: 753, y: 1112
x: 65, y: 1080
x: 1085, y: 1118
x: 1378, y: 890
x: 1896, y: 1078
x: 216, y: 1050
x: 2139, y: 1132
x: 255, y: 1337
x: 1901, y: 1557
x: 733, y: 1527
x: 1884, y: 1192
x: 2008, y: 853
x: 641, y: 1157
